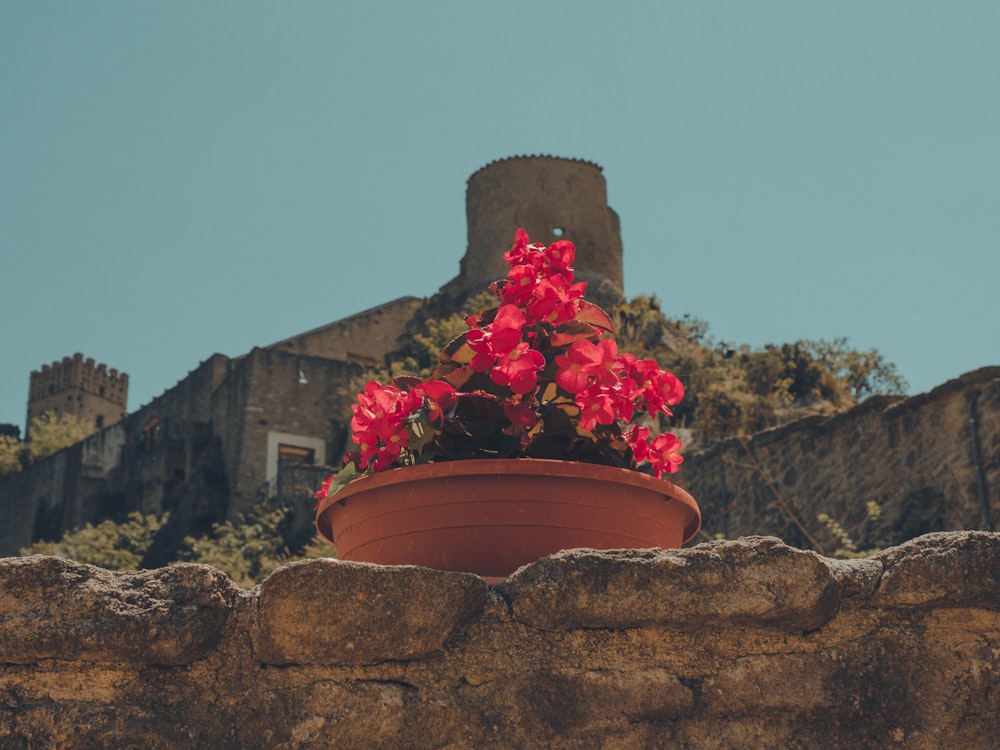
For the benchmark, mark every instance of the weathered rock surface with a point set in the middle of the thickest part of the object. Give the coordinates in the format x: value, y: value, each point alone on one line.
x: 58, y: 609
x: 754, y: 579
x: 336, y: 612
x: 745, y: 643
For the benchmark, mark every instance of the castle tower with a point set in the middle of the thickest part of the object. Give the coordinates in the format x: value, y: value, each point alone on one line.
x: 95, y: 395
x: 552, y: 198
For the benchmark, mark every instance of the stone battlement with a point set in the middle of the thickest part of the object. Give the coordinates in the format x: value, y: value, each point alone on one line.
x: 94, y: 394
x: 77, y: 372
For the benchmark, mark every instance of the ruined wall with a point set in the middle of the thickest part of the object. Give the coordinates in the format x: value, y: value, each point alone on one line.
x: 63, y: 491
x: 931, y: 463
x: 363, y: 338
x: 141, y: 463
x: 747, y: 643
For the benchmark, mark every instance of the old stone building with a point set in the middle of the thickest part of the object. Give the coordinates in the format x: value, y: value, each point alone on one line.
x: 236, y: 430
x: 217, y: 442
x: 92, y: 393
x: 552, y: 199
x: 732, y: 643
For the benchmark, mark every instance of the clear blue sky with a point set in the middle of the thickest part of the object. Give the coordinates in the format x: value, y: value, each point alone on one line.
x: 182, y: 178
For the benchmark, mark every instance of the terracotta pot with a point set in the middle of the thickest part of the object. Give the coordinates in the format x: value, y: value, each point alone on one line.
x: 491, y: 516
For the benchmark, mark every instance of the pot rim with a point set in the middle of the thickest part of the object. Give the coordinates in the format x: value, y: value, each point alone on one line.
x: 526, y: 466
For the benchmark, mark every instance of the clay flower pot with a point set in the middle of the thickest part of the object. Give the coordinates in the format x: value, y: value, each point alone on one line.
x: 491, y: 516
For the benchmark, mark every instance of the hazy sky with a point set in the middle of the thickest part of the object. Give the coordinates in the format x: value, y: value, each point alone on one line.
x: 183, y: 178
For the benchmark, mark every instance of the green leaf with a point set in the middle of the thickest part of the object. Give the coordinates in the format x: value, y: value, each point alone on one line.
x: 422, y: 433
x: 348, y: 474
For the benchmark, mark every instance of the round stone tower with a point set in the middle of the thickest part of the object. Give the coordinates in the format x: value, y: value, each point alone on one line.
x: 552, y: 198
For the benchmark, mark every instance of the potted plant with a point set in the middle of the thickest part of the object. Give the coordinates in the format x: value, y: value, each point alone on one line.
x: 522, y: 442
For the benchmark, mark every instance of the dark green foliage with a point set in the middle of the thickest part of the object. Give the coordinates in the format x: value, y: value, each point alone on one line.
x: 737, y: 390
x: 50, y: 432
x: 246, y: 549
x: 115, y: 546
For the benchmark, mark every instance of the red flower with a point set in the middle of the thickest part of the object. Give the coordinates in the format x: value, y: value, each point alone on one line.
x: 519, y: 250
x: 379, y: 422
x: 622, y: 399
x: 597, y: 406
x: 518, y: 369
x: 368, y: 442
x: 496, y: 339
x: 641, y: 370
x: 560, y: 255
x: 663, y: 391
x: 556, y: 299
x: 325, y: 487
x: 586, y: 362
x: 520, y: 285
x: 663, y: 454
x: 572, y: 375
x: 438, y: 396
x: 520, y: 412
x: 637, y: 437
x: 391, y: 449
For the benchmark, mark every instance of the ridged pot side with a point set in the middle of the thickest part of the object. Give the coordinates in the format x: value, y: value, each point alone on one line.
x: 491, y: 516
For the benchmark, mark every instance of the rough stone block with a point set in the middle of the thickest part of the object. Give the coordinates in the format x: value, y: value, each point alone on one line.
x: 336, y: 612
x: 746, y: 686
x: 959, y: 569
x: 754, y: 580
x: 565, y: 701
x: 52, y: 608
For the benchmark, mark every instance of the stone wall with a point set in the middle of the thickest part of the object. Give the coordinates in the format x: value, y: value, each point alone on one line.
x: 363, y: 338
x: 139, y: 463
x: 276, y: 392
x: 746, y: 643
x: 930, y: 463
x: 200, y: 451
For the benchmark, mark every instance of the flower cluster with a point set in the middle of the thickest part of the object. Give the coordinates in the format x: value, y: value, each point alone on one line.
x: 538, y: 376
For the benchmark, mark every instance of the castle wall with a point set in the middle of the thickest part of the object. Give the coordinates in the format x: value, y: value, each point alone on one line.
x: 164, y: 439
x: 363, y: 338
x: 191, y: 398
x: 140, y: 463
x: 207, y: 449
x: 931, y: 463
x: 747, y: 643
x: 63, y: 491
x: 32, y: 497
x: 552, y: 199
x: 282, y: 399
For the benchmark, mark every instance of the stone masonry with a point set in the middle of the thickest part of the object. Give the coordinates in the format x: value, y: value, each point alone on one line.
x: 929, y: 463
x: 728, y: 644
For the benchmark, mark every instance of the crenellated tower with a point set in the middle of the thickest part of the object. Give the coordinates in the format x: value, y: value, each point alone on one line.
x: 94, y: 394
x: 552, y: 198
